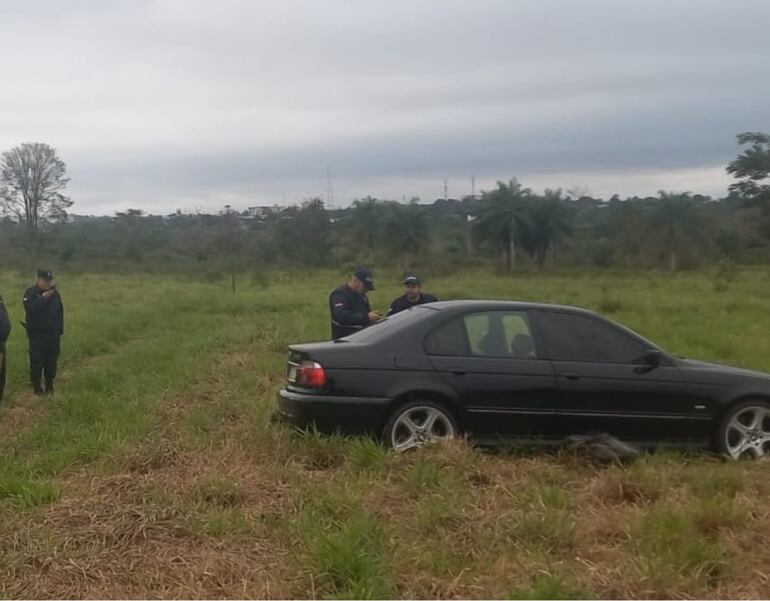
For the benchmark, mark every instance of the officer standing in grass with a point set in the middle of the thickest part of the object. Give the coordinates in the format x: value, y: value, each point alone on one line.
x: 45, y: 326
x: 349, y: 304
x: 414, y: 296
x: 5, y: 330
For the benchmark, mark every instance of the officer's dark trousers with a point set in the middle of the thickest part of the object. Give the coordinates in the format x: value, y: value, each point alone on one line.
x: 43, y: 356
x: 2, y: 375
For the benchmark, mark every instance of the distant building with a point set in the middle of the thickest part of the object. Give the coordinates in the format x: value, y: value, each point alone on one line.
x: 262, y: 212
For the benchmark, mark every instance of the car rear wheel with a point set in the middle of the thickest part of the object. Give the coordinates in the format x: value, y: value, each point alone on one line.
x: 417, y: 424
x: 745, y: 431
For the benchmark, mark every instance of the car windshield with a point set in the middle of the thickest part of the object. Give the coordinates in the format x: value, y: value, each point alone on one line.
x: 389, y: 325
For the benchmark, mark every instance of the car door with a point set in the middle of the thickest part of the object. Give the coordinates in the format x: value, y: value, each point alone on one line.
x: 492, y: 361
x: 603, y: 383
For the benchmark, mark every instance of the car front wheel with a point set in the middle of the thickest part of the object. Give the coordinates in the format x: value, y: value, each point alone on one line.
x: 745, y: 431
x: 417, y: 424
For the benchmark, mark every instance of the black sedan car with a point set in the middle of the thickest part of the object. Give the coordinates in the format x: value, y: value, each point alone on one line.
x: 509, y: 370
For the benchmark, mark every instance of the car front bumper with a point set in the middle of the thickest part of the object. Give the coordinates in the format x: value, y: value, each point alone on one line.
x: 349, y: 415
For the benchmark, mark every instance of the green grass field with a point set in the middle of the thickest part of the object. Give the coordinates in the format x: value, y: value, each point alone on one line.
x: 155, y: 470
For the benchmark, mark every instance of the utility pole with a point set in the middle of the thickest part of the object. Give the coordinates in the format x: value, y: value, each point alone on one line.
x: 446, y: 191
x: 473, y: 187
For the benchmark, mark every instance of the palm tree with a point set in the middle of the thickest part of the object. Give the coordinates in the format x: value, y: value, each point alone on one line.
x: 499, y: 218
x: 675, y: 222
x: 546, y: 219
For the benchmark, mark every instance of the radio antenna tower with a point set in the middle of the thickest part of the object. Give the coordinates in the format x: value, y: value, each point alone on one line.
x: 473, y: 186
x: 446, y: 192
x: 329, y: 189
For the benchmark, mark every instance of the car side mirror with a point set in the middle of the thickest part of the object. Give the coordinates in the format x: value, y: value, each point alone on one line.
x: 653, y: 357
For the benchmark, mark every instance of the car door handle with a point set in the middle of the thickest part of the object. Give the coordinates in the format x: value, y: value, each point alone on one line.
x: 458, y: 371
x: 570, y: 375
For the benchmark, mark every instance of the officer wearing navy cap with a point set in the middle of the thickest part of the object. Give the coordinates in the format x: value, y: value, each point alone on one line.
x: 5, y: 330
x: 414, y: 296
x: 45, y: 325
x: 349, y: 304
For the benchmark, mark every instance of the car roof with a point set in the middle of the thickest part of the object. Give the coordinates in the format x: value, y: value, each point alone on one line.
x: 489, y: 305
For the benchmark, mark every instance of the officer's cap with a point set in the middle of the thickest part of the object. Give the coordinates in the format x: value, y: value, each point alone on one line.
x: 46, y: 274
x: 366, y: 276
x: 412, y: 279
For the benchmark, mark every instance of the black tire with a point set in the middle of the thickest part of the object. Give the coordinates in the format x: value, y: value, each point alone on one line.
x: 444, y: 425
x: 724, y: 438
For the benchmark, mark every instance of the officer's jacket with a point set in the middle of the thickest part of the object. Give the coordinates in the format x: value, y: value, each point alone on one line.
x: 349, y: 310
x: 44, y: 314
x: 5, y: 325
x: 402, y: 303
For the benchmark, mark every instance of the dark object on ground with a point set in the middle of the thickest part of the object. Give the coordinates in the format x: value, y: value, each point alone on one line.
x: 524, y: 372
x: 602, y: 447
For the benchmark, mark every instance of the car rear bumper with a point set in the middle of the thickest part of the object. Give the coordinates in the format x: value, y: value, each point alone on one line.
x: 350, y: 415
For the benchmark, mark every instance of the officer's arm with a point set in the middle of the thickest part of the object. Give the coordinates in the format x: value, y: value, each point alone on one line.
x: 343, y: 314
x: 5, y: 326
x: 34, y: 300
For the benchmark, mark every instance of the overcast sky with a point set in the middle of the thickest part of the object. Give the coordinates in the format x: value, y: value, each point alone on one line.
x: 195, y: 104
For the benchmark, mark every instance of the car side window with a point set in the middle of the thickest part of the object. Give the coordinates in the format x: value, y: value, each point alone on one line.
x: 447, y: 340
x: 500, y: 334
x: 572, y: 337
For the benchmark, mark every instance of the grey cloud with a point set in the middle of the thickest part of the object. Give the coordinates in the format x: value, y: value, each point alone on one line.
x: 175, y: 99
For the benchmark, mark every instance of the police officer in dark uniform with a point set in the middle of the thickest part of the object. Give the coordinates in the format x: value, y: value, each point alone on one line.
x: 349, y: 305
x: 414, y: 296
x: 5, y: 330
x: 45, y: 326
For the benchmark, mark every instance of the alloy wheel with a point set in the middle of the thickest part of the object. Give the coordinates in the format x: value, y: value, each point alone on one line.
x: 748, y: 433
x: 419, y: 426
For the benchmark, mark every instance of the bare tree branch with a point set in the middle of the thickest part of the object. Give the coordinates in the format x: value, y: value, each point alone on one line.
x: 32, y: 177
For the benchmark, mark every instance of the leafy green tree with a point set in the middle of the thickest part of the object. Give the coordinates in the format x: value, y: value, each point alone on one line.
x: 406, y: 233
x: 675, y: 223
x: 752, y: 168
x: 364, y: 222
x: 303, y: 233
x: 499, y: 219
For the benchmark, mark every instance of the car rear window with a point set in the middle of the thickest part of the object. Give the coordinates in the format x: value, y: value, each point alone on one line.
x: 447, y: 340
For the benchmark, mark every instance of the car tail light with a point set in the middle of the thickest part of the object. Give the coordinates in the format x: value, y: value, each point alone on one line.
x: 311, y: 375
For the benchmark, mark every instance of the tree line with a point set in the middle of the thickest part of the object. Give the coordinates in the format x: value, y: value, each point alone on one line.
x: 510, y: 226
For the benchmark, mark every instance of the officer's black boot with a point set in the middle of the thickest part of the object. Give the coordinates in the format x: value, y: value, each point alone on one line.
x: 49, y: 385
x: 36, y: 386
